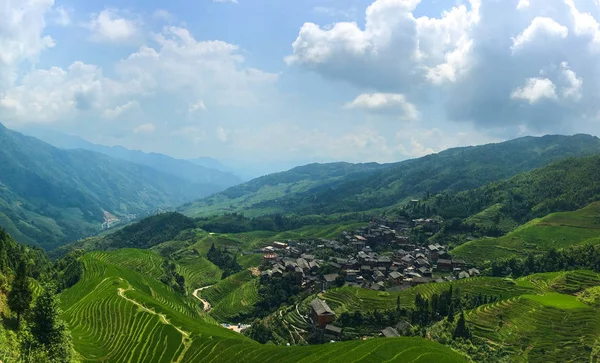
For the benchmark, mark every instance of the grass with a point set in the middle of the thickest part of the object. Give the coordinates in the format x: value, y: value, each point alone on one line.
x: 119, y: 312
x: 557, y: 230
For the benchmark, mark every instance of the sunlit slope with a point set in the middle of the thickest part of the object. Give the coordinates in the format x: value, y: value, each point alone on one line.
x: 120, y: 312
x: 557, y: 230
x: 539, y: 328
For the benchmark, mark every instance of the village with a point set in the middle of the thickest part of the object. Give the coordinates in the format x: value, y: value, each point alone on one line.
x: 380, y: 256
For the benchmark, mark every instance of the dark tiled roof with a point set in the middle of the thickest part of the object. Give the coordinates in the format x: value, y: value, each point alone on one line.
x: 321, y: 308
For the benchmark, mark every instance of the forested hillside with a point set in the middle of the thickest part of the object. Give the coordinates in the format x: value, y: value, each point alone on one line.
x: 50, y: 196
x: 334, y: 188
x: 189, y: 170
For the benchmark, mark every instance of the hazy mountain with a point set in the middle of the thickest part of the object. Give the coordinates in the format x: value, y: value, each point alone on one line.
x: 203, y: 170
x: 49, y: 196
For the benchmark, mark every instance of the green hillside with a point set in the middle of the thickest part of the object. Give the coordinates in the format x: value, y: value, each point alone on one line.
x: 233, y: 297
x: 119, y: 312
x: 335, y: 188
x: 50, y: 196
x: 539, y: 328
x: 557, y: 230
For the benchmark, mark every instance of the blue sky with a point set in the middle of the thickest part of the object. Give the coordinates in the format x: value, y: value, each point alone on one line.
x: 288, y: 82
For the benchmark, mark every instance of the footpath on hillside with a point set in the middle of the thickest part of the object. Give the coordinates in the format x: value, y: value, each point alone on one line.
x: 206, y: 304
x: 235, y: 327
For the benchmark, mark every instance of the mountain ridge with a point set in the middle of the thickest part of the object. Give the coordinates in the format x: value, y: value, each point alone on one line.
x: 331, y: 188
x: 185, y: 169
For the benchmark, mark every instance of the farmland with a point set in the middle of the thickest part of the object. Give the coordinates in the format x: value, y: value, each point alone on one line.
x: 235, y: 295
x: 352, y: 298
x: 557, y: 230
x: 119, y: 312
x: 538, y: 328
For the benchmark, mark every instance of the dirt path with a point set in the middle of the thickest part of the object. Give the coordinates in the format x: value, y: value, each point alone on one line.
x: 185, y: 336
x: 206, y: 304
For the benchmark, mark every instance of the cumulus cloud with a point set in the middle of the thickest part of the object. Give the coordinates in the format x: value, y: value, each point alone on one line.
x: 56, y: 93
x: 178, y: 65
x: 110, y: 26
x: 477, y: 61
x: 226, y: 1
x: 205, y: 70
x: 541, y: 28
x: 535, y: 89
x: 387, y: 103
x: 22, y: 35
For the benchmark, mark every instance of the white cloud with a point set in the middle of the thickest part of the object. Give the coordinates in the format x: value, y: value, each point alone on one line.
x: 226, y: 1
x: 394, y: 50
x: 388, y: 103
x: 535, y: 89
x: 119, y: 110
x: 470, y: 62
x: 541, y: 28
x: 145, y: 129
x: 57, y: 94
x: 211, y: 71
x: 22, y: 37
x: 584, y: 24
x: 574, y: 83
x: 523, y: 4
x: 110, y: 26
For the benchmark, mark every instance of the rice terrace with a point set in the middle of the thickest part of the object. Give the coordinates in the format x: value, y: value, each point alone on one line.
x: 208, y: 181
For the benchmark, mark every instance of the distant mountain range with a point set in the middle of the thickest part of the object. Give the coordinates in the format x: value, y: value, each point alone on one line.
x: 49, y: 196
x: 343, y: 187
x: 200, y: 170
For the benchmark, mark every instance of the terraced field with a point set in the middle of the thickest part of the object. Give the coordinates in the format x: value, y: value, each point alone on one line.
x: 198, y: 271
x: 557, y: 230
x: 233, y: 296
x: 119, y: 312
x: 539, y: 328
x: 351, y: 298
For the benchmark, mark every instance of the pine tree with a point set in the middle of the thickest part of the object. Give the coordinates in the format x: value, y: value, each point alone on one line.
x: 21, y: 295
x: 49, y: 331
x: 462, y: 330
x: 451, y: 313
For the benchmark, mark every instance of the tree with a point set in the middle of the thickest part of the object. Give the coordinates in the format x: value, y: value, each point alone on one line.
x: 462, y: 330
x: 49, y: 331
x: 451, y: 313
x: 21, y: 295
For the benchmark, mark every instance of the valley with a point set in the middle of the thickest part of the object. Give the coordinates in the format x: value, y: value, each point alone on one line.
x: 334, y: 262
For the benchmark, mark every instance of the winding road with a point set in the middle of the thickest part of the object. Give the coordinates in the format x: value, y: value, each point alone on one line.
x: 206, y: 304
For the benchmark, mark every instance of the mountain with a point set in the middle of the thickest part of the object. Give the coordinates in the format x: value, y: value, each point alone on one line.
x: 49, y: 196
x: 208, y: 162
x: 335, y: 188
x: 203, y: 170
x: 261, y: 195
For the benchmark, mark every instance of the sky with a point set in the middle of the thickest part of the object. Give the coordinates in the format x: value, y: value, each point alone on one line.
x: 290, y: 82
